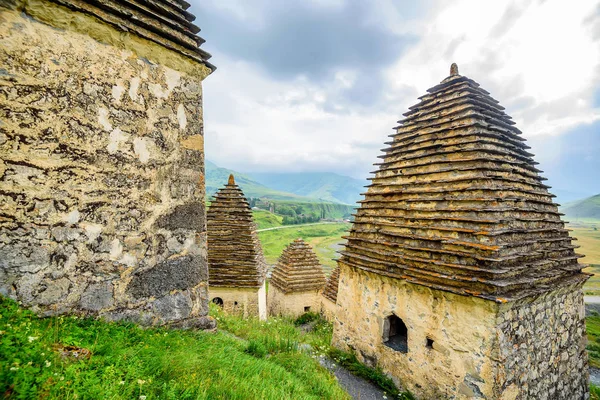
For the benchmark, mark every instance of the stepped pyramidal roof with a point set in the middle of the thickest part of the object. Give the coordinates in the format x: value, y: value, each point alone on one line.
x: 235, y: 257
x: 457, y: 203
x: 331, y: 287
x: 298, y: 269
x: 166, y: 22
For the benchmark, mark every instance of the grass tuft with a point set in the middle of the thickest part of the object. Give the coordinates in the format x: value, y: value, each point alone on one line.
x: 307, y: 318
x: 594, y: 392
x: 256, y: 349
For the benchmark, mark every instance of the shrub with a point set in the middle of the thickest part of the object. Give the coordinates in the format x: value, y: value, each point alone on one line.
x: 594, y: 392
x: 256, y: 349
x: 307, y: 318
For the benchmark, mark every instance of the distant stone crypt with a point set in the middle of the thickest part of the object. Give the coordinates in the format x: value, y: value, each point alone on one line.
x: 297, y: 281
x: 237, y: 268
x: 459, y: 277
x: 101, y: 159
x: 329, y: 294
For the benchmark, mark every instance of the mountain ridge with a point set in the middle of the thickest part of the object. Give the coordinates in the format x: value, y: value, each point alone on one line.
x: 325, y: 186
x: 588, y: 207
x: 297, y: 186
x: 216, y: 177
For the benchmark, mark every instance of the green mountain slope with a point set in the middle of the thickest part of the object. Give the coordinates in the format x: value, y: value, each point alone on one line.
x: 325, y: 186
x: 216, y: 178
x: 587, y: 208
x: 282, y: 203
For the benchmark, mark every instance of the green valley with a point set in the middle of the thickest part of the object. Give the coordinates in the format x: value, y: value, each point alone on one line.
x: 325, y: 238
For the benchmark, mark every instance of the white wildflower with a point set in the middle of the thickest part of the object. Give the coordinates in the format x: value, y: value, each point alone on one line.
x: 122, y: 383
x: 142, y: 397
x: 32, y: 338
x: 47, y: 363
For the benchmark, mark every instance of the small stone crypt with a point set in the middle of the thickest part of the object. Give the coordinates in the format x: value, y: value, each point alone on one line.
x: 329, y: 295
x: 296, y: 281
x: 236, y: 265
x: 459, y: 278
x: 102, y: 160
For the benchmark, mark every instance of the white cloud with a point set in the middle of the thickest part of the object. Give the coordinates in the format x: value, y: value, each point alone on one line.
x: 540, y: 59
x: 282, y: 125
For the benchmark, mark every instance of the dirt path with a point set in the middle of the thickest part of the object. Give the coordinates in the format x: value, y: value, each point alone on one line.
x: 595, y: 376
x: 357, y: 388
x: 591, y: 299
x: 293, y: 226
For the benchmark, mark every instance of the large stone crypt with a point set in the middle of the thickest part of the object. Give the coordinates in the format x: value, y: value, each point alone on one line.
x: 459, y: 278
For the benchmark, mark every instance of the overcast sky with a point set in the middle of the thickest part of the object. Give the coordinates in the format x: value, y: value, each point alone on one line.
x: 317, y: 85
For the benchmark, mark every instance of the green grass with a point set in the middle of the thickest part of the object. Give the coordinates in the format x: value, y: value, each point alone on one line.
x: 128, y: 362
x: 588, y: 237
x: 592, y: 324
x: 265, y: 219
x: 594, y: 392
x: 275, y: 333
x: 281, y: 333
x: 321, y: 237
x: 592, y: 286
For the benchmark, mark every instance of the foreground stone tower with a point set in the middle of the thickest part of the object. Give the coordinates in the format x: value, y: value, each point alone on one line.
x: 296, y: 282
x: 237, y: 268
x: 329, y: 295
x: 459, y: 278
x: 101, y: 160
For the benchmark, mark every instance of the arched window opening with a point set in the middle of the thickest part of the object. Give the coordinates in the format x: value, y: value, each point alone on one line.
x: 395, y: 334
x: 218, y: 301
x: 429, y: 343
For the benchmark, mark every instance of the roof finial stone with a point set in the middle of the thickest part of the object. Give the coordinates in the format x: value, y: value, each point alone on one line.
x: 454, y: 69
x: 231, y: 180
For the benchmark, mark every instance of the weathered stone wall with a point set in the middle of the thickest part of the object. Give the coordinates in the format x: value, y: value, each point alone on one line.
x: 328, y: 308
x: 532, y: 349
x: 292, y: 304
x: 247, y: 302
x: 101, y: 171
x: 542, y: 344
x: 462, y: 329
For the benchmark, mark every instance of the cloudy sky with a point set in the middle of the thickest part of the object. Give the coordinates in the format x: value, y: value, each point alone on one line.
x: 317, y: 85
